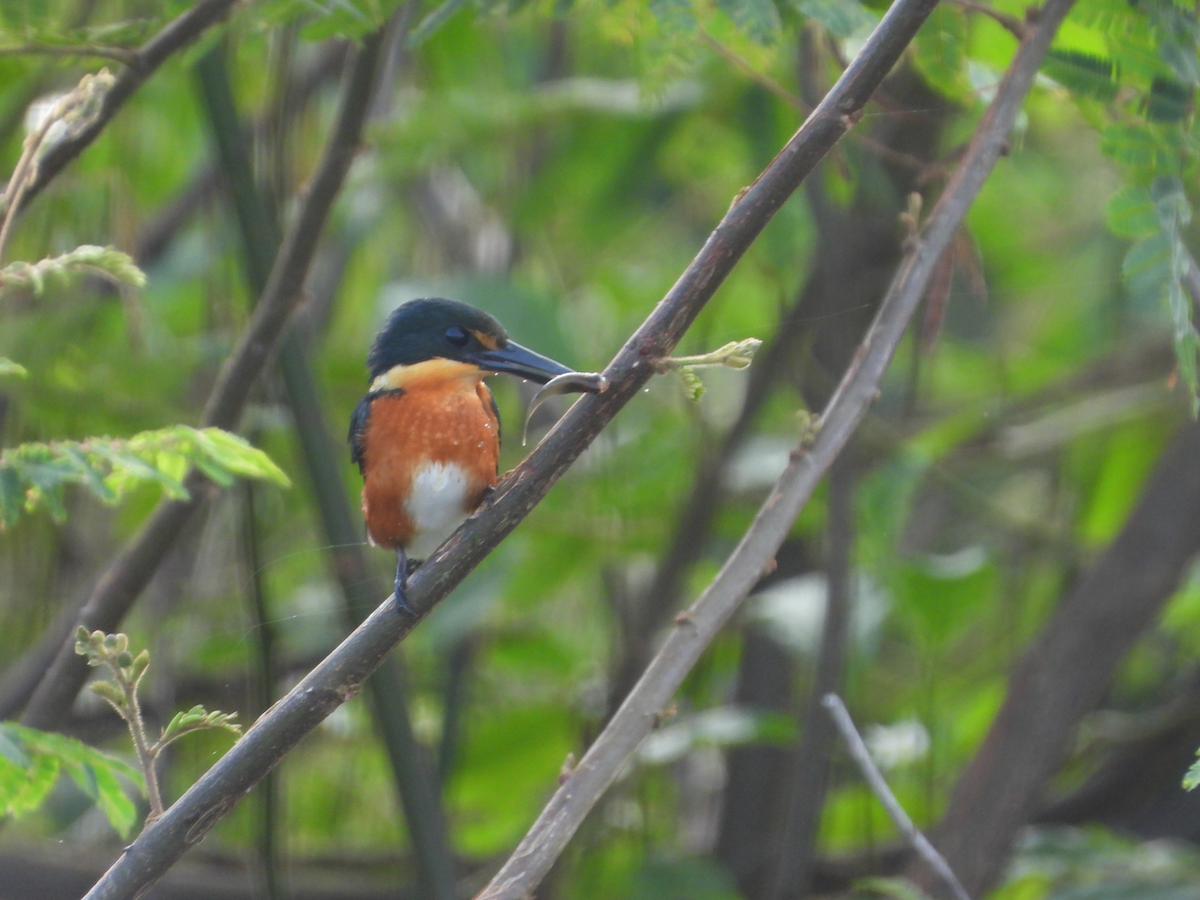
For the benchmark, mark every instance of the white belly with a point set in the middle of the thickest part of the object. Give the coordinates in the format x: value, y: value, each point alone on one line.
x: 436, y: 506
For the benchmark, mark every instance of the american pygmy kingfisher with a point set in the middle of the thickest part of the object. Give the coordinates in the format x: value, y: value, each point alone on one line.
x: 426, y: 436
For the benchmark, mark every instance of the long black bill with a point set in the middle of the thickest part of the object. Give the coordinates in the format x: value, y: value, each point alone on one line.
x: 513, y: 359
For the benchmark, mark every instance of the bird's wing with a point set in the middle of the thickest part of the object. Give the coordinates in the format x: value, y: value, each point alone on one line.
x: 358, y: 429
x: 495, y: 414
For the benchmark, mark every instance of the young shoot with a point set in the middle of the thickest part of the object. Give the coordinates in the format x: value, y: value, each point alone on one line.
x: 120, y: 690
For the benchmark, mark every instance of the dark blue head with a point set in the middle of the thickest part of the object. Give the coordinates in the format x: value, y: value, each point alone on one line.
x: 450, y: 329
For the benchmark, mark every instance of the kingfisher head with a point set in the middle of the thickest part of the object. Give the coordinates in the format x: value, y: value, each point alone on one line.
x: 435, y: 328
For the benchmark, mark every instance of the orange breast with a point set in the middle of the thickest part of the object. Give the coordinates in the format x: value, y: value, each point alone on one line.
x: 430, y: 453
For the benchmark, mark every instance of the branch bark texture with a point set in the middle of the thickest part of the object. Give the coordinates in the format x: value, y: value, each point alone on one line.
x: 696, y: 628
x: 340, y: 676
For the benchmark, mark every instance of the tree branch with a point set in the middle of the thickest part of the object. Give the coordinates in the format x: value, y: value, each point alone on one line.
x: 696, y: 628
x: 123, y: 55
x: 176, y: 35
x: 340, y: 676
x: 1067, y: 671
x: 131, y: 571
x: 879, y: 787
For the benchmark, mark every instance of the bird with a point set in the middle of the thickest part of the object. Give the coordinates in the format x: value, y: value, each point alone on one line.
x: 426, y: 436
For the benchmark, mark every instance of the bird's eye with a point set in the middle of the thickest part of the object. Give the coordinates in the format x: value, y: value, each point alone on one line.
x: 457, y: 336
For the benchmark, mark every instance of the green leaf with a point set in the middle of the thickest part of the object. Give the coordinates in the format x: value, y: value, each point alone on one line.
x: 1146, y: 268
x: 675, y: 16
x: 110, y: 692
x: 129, y: 467
x: 758, y: 18
x: 841, y: 18
x: 1131, y: 212
x: 96, y: 773
x: 434, y: 20
x: 84, y: 777
x: 12, y: 497
x: 941, y: 51
x: 198, y: 719
x: 10, y: 751
x: 9, y: 368
x: 1168, y: 101
x: 241, y: 458
x: 1172, y: 205
x: 1082, y: 73
x: 34, y: 784
x: 107, y: 262
x: 1191, y: 780
x: 1178, y: 39
x: 1143, y: 147
x: 37, y: 474
x: 112, y: 799
x: 100, y: 784
x: 88, y: 475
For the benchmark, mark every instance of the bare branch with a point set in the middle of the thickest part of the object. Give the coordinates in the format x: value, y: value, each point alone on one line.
x: 760, y: 78
x: 123, y: 55
x: 879, y: 786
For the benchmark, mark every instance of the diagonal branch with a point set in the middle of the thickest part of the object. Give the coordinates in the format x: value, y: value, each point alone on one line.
x: 123, y: 55
x: 857, y: 748
x: 697, y: 627
x: 143, y: 62
x: 129, y: 574
x: 340, y: 676
x: 1067, y: 671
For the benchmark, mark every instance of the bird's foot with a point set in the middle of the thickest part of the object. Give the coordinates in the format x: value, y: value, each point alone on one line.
x: 403, y: 570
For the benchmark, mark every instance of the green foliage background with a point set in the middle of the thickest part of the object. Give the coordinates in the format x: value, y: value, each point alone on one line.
x: 559, y: 164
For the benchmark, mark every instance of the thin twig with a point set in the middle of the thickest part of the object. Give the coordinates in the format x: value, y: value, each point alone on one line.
x: 132, y: 714
x: 879, y: 786
x: 761, y: 78
x: 174, y: 36
x: 797, y: 103
x: 123, y: 55
x: 71, y: 113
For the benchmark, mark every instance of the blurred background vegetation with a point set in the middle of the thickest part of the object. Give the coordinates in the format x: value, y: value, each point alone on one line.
x: 558, y: 164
